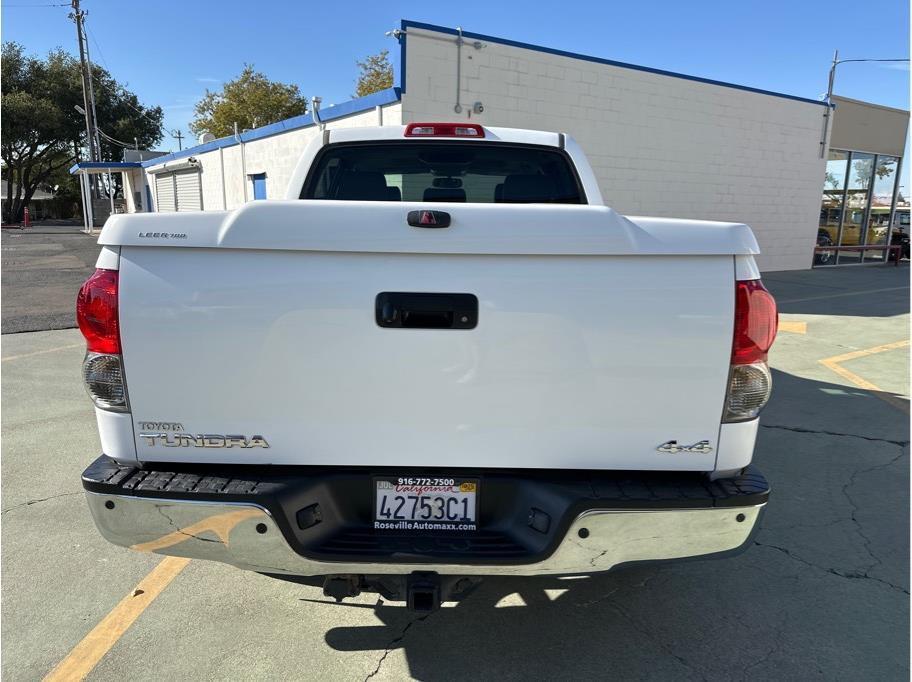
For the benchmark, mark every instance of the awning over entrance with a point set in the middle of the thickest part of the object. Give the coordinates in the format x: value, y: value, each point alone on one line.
x: 85, y: 169
x: 98, y: 167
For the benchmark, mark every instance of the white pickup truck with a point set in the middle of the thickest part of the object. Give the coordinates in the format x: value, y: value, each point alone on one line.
x: 440, y: 357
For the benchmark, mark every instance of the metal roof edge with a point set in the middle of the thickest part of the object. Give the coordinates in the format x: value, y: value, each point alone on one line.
x: 348, y: 108
x: 113, y: 165
x: 406, y: 24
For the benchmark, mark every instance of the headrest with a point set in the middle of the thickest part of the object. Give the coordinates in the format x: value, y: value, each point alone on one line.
x: 445, y: 194
x: 355, y: 186
x: 527, y: 189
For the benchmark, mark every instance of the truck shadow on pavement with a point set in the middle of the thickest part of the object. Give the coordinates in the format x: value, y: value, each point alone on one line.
x: 869, y: 291
x: 823, y: 590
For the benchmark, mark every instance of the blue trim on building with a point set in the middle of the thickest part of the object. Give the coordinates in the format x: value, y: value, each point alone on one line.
x: 406, y: 24
x: 354, y: 106
x: 104, y: 165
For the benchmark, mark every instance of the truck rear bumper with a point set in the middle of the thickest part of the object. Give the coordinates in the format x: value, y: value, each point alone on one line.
x: 530, y: 523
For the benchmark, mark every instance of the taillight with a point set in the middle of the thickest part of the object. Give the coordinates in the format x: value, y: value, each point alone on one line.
x: 756, y: 321
x: 444, y: 130
x: 104, y: 381
x: 96, y: 315
x: 96, y: 312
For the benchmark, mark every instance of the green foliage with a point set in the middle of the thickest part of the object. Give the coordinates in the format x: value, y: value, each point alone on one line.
x: 886, y: 168
x: 376, y: 74
x: 250, y: 100
x: 42, y: 131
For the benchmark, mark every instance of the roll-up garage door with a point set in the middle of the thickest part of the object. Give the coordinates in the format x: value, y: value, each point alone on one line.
x: 165, y: 199
x: 189, y: 195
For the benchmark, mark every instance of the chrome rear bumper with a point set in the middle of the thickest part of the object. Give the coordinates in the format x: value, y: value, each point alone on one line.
x: 246, y: 536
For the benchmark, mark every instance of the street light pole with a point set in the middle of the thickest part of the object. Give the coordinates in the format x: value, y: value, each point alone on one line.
x: 832, y: 80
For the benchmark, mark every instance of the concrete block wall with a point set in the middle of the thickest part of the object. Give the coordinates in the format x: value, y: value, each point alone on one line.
x: 224, y: 177
x: 660, y: 145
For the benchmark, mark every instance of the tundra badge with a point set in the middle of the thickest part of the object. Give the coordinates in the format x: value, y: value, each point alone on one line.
x: 203, y: 440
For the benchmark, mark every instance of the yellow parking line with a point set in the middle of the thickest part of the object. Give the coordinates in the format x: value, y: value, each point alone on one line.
x: 793, y: 327
x: 42, y: 352
x: 833, y: 364
x: 86, y: 655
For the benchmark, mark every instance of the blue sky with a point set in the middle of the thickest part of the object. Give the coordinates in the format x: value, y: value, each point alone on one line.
x: 169, y: 52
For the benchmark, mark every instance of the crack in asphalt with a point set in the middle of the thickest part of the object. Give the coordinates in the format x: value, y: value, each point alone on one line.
x: 855, y: 509
x: 396, y: 640
x: 798, y: 429
x: 832, y: 571
x: 864, y: 574
x: 37, y: 501
x: 774, y: 649
x: 652, y: 637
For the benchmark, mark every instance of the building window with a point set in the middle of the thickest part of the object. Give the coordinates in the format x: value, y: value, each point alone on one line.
x: 832, y: 205
x: 858, y: 187
x: 878, y: 229
x: 857, y: 205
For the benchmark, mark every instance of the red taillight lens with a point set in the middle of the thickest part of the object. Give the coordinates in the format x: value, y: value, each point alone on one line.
x: 444, y: 130
x: 756, y: 321
x: 96, y: 312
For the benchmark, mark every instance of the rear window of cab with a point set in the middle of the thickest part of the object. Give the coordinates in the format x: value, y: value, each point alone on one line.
x: 474, y: 172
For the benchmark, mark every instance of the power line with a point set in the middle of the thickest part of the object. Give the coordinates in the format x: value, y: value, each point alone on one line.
x: 98, y: 47
x: 843, y: 61
x: 61, y: 4
x: 112, y: 140
x: 123, y: 90
x: 176, y: 133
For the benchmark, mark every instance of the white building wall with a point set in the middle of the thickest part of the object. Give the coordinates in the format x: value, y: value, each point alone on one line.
x: 276, y: 156
x: 660, y: 145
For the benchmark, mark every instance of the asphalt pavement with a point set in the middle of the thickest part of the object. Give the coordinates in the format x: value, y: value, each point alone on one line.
x: 822, y: 594
x: 42, y: 269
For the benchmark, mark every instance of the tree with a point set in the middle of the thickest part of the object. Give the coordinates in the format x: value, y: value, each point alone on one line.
x: 250, y: 100
x: 42, y: 131
x: 863, y: 168
x: 376, y: 74
x: 886, y: 167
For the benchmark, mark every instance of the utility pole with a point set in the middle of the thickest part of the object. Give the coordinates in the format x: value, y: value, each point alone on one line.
x: 177, y: 135
x: 88, y: 93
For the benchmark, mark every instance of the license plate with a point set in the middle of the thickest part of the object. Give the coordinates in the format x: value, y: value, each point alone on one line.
x: 425, y: 503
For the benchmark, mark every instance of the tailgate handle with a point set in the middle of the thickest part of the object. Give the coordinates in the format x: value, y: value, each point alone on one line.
x: 420, y: 310
x: 426, y: 218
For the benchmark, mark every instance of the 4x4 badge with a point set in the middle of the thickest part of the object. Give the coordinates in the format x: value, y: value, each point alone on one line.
x: 672, y: 447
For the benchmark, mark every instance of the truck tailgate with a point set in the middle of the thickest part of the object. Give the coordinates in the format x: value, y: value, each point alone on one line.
x: 577, y: 360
